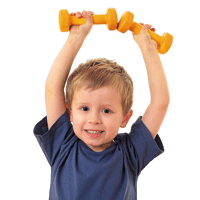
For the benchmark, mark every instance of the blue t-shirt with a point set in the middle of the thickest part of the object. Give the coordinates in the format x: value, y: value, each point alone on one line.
x: 79, y: 173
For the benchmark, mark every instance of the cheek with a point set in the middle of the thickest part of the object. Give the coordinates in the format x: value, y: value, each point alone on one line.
x: 113, y: 126
x: 77, y: 127
x: 74, y: 116
x: 78, y: 121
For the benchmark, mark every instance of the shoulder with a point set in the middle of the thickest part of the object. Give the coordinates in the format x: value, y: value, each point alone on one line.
x: 60, y: 137
x: 139, y: 146
x: 140, y: 139
x: 41, y: 128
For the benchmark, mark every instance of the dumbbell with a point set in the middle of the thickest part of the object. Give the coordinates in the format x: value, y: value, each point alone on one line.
x: 126, y: 23
x: 66, y: 20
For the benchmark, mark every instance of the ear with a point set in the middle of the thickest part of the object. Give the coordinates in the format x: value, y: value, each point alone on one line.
x: 126, y: 119
x: 70, y: 113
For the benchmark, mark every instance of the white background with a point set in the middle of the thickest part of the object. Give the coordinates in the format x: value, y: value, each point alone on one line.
x: 30, y: 40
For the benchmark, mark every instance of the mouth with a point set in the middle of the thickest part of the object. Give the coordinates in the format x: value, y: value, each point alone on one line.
x: 95, y: 134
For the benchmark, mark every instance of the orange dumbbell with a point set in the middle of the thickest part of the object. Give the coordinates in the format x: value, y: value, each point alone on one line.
x: 66, y: 20
x: 126, y: 23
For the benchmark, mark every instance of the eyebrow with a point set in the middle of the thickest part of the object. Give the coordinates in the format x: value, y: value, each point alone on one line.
x: 101, y: 105
x: 81, y: 102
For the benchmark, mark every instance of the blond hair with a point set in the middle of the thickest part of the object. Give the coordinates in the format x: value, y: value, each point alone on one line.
x: 98, y: 73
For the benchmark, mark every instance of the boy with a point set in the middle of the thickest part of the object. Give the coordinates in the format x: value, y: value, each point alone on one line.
x: 89, y: 159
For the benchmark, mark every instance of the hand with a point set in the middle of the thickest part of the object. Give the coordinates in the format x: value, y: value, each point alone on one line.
x: 143, y: 39
x: 85, y: 28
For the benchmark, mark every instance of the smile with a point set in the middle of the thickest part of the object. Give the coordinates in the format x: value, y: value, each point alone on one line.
x: 94, y: 134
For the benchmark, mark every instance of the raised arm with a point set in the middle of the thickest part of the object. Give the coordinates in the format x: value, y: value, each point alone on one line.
x: 156, y: 111
x: 55, y: 83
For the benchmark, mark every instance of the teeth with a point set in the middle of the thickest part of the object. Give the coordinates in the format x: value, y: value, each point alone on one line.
x: 94, y: 132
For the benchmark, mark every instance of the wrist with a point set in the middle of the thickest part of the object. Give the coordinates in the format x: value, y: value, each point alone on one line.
x: 75, y: 38
x: 149, y: 51
x: 74, y: 43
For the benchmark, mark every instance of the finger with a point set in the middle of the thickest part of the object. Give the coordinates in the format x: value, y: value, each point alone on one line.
x: 78, y: 15
x: 84, y: 11
x: 87, y: 13
x: 154, y: 43
x: 152, y: 29
x: 90, y: 12
x: 148, y: 25
x: 133, y: 34
x: 73, y: 14
x: 145, y: 28
x: 87, y: 16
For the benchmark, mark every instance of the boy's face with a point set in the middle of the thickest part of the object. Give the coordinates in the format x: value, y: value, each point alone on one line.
x: 97, y: 116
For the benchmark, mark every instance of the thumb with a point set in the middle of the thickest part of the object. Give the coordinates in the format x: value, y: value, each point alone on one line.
x: 145, y: 28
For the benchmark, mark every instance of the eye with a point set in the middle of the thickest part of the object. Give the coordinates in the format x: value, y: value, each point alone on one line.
x: 85, y: 108
x: 106, y: 111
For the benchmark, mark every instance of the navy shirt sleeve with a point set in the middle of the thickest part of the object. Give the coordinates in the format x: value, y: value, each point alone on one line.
x: 140, y: 146
x: 51, y: 141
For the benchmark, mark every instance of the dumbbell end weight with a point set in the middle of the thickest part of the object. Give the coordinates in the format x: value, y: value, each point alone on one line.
x: 166, y: 42
x: 125, y: 21
x: 111, y: 19
x: 64, y: 20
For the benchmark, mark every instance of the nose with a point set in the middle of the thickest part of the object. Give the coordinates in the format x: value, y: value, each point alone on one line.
x: 94, y: 118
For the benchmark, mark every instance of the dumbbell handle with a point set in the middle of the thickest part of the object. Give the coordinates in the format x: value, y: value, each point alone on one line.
x: 97, y: 19
x: 136, y: 28
x: 164, y: 42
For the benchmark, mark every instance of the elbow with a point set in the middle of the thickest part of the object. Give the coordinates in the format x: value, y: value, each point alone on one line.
x: 52, y: 88
x: 165, y: 102
x: 164, y: 106
x: 51, y: 92
x: 165, y: 98
x: 48, y: 89
x: 162, y: 102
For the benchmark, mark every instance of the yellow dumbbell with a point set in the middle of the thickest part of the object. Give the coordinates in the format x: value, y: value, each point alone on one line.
x: 66, y: 20
x: 126, y: 23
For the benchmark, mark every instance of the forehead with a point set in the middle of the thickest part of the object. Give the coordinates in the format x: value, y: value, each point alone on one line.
x: 104, y: 95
